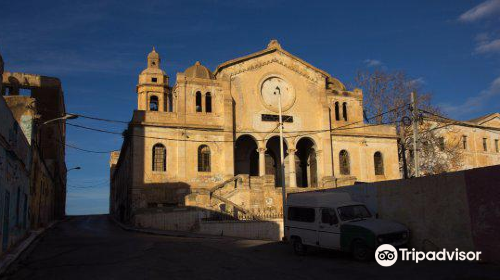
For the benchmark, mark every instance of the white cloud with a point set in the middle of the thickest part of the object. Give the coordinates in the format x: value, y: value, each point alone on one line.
x: 486, y: 46
x: 418, y: 81
x: 486, y: 9
x: 474, y: 103
x: 372, y: 62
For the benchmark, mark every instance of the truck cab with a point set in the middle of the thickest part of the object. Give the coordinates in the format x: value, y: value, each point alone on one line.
x: 334, y: 221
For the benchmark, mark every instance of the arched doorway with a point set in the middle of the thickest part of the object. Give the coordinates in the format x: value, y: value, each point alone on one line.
x: 246, y: 157
x: 273, y: 159
x: 307, y: 169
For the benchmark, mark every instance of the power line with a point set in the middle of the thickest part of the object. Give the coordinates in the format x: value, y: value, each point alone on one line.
x: 99, y: 119
x: 88, y: 187
x: 296, y: 133
x: 88, y: 151
x: 231, y: 131
x: 455, y: 122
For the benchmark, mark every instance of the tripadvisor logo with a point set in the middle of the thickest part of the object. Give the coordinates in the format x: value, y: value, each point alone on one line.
x: 386, y: 255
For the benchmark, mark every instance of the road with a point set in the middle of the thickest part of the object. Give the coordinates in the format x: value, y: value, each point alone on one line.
x: 93, y: 247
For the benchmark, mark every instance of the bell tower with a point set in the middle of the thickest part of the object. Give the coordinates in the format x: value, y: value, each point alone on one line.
x: 153, y: 92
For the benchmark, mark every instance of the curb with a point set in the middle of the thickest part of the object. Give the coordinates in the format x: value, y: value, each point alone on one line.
x: 8, y: 259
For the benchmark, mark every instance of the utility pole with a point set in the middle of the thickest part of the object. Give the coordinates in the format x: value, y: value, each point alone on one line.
x: 415, y: 131
x: 282, y: 154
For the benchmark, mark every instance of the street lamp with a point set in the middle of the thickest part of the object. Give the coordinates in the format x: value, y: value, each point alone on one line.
x: 282, y: 154
x: 65, y: 117
x: 74, y: 168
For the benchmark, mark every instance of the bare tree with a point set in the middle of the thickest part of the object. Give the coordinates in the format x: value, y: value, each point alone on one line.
x: 387, y: 96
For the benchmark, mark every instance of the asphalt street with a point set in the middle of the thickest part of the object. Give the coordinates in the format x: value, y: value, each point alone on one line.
x: 94, y: 247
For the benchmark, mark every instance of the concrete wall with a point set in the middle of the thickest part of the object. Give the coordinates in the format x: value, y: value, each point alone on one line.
x: 264, y: 230
x: 452, y: 210
x: 177, y: 220
x: 192, y: 221
x: 483, y: 197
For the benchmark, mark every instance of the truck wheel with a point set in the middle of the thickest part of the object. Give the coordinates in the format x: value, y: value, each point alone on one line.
x: 360, y: 251
x: 299, y: 248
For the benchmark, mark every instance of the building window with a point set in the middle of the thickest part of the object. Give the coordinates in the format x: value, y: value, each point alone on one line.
x: 378, y: 163
x: 170, y: 103
x: 485, y: 144
x: 198, y: 102
x: 345, y: 165
x: 441, y: 143
x: 337, y: 113
x: 344, y: 111
x: 153, y: 103
x: 154, y: 80
x: 18, y: 204
x: 464, y: 142
x: 159, y: 158
x: 204, y: 158
x: 208, y: 102
x: 497, y: 149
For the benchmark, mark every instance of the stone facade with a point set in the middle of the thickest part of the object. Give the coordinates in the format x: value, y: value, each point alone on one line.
x: 33, y: 100
x: 212, y: 139
x: 14, y: 177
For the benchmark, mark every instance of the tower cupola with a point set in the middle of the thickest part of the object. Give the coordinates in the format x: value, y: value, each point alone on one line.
x: 154, y: 59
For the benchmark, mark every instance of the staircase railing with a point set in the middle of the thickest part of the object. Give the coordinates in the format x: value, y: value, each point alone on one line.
x: 223, y: 184
x: 236, y: 179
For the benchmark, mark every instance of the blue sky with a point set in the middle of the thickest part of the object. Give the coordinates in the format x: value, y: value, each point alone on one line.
x: 98, y: 48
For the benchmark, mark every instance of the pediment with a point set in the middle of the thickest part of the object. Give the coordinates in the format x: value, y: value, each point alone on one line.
x: 273, y: 54
x: 492, y: 120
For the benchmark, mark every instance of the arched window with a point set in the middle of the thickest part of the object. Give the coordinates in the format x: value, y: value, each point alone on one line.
x: 344, y: 111
x: 208, y: 102
x: 345, y: 164
x: 337, y: 113
x: 378, y: 162
x: 198, y: 102
x: 203, y: 158
x: 159, y: 157
x: 153, y: 103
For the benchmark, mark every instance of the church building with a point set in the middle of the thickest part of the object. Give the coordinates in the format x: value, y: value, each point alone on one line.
x: 211, y: 140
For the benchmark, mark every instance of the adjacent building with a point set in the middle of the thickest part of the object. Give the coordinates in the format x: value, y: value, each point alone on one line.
x: 15, y: 168
x: 32, y: 154
x: 211, y: 140
x: 476, y: 141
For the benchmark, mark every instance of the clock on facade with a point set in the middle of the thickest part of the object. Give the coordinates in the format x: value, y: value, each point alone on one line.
x: 270, y: 90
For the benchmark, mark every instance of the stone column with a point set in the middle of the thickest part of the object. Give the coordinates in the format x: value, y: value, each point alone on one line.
x: 320, y: 173
x: 262, y: 161
x: 291, y: 162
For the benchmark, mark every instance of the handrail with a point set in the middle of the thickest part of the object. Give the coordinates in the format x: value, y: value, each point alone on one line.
x: 223, y: 184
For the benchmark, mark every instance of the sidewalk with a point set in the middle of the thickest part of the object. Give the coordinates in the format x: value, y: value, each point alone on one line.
x: 13, y: 255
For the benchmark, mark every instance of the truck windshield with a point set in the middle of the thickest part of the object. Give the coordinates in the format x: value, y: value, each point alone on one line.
x: 353, y: 212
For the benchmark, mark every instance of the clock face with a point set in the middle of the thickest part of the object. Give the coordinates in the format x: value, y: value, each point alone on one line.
x: 271, y: 88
